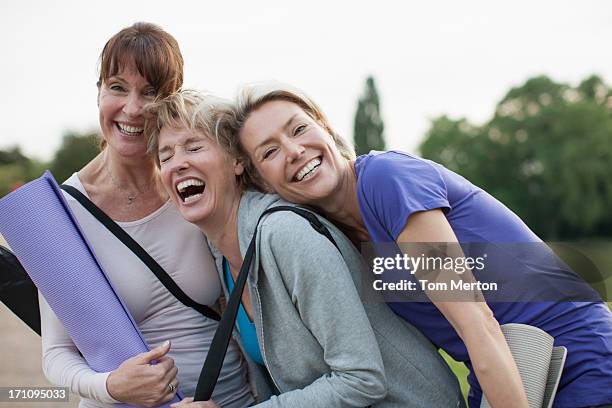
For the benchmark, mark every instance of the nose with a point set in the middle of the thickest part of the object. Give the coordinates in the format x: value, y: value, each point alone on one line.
x: 133, y: 105
x: 293, y: 150
x: 179, y: 162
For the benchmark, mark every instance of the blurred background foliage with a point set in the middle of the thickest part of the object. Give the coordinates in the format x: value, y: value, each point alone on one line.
x: 75, y: 151
x: 546, y: 154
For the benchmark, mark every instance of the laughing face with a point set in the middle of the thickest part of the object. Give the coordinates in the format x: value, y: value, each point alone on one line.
x: 120, y: 103
x: 197, y: 174
x: 292, y: 152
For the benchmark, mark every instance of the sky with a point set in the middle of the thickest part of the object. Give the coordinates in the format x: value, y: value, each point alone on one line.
x: 428, y: 58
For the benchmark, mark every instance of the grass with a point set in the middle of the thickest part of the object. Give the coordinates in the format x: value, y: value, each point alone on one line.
x: 460, y: 370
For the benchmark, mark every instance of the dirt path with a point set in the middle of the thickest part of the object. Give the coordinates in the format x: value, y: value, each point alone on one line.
x: 20, y: 360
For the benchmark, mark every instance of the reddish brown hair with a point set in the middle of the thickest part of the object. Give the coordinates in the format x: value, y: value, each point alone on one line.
x: 151, y: 50
x: 154, y: 53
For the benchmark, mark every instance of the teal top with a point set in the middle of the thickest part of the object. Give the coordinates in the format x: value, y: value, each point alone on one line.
x: 245, y: 326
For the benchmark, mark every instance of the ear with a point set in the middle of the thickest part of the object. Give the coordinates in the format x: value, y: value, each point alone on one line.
x: 238, y: 167
x: 98, y: 84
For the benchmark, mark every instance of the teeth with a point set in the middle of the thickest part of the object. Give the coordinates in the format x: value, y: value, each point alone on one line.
x: 192, y: 198
x: 311, y: 165
x: 129, y: 129
x: 186, y: 183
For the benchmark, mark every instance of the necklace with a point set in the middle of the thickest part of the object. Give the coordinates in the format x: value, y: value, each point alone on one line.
x: 131, y: 196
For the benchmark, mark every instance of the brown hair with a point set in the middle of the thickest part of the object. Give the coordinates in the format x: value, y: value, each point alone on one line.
x: 154, y: 53
x: 253, y: 96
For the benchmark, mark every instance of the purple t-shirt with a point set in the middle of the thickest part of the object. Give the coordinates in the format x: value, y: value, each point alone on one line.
x: 393, y: 185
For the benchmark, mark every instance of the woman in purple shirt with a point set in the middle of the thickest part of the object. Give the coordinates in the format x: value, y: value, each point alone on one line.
x: 288, y: 146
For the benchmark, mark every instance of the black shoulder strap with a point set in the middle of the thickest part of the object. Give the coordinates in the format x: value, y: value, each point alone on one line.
x: 218, y: 348
x: 135, y: 247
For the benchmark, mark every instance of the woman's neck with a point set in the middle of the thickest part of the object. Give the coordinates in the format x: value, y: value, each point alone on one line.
x: 111, y: 170
x: 342, y: 205
x: 130, y: 173
x: 222, y: 231
x: 127, y: 189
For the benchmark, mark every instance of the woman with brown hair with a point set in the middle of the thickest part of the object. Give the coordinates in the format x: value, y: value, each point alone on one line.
x: 138, y: 64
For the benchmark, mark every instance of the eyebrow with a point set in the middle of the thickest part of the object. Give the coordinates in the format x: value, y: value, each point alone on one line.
x: 284, y: 127
x: 123, y: 81
x: 116, y: 78
x: 189, y: 140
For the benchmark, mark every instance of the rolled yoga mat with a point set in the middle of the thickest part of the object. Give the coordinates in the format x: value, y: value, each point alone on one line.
x: 42, y: 231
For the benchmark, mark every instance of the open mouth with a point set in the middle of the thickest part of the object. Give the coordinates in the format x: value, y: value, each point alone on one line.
x: 190, y: 190
x: 129, y: 130
x: 308, y: 170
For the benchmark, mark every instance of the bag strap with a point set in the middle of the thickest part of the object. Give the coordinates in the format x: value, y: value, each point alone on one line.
x: 218, y: 348
x: 135, y: 247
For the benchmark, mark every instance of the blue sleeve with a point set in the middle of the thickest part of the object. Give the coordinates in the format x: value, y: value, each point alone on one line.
x: 396, y: 185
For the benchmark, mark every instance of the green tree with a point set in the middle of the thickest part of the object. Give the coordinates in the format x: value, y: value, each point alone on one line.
x: 369, y: 126
x: 546, y: 153
x: 76, y: 150
x: 17, y: 169
x: 12, y: 156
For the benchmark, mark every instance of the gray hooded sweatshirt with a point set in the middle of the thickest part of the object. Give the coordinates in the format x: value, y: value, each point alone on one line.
x: 322, y: 346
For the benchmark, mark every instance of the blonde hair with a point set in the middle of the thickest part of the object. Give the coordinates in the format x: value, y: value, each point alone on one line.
x: 196, y: 111
x: 253, y: 96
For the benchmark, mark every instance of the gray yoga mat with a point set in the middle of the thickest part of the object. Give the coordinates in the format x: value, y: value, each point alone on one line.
x: 539, y: 363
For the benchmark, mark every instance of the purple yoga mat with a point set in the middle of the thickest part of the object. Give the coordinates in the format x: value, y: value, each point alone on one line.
x: 43, y: 233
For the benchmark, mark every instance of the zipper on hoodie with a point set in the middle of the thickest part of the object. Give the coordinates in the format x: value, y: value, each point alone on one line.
x: 263, y: 346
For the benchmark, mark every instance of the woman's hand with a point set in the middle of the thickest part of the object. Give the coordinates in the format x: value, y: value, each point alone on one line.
x: 137, y: 382
x: 188, y: 403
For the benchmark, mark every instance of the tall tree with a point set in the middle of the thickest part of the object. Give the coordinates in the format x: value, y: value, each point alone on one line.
x: 546, y: 153
x: 369, y: 126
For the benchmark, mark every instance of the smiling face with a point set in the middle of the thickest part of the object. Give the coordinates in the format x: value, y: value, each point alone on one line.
x: 198, y: 174
x: 120, y: 103
x: 292, y: 152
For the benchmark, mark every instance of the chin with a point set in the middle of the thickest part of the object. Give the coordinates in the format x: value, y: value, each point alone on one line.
x: 191, y: 216
x: 133, y: 151
x: 129, y: 150
x: 315, y: 194
x: 300, y: 198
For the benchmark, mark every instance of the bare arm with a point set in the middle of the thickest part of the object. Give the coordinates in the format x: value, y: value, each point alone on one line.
x: 474, y: 322
x: 134, y: 381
